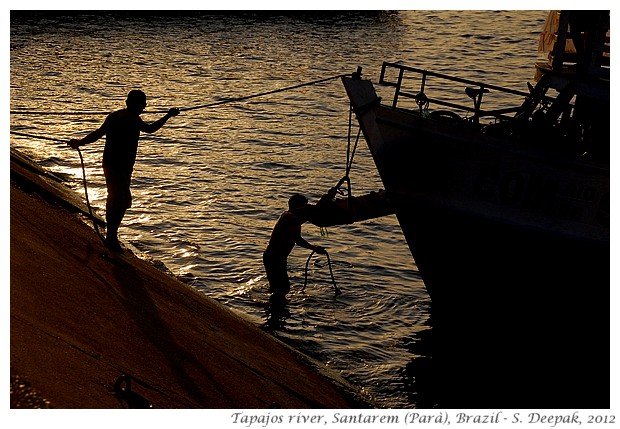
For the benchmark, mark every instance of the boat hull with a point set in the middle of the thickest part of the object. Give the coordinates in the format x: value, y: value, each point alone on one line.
x: 513, y: 247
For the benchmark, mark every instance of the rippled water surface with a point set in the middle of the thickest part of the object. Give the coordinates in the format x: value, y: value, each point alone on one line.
x: 209, y: 186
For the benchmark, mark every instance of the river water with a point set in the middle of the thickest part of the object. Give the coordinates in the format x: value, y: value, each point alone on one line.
x: 209, y: 186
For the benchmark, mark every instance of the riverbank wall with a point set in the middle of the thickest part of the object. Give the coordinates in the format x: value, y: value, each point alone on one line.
x: 91, y: 328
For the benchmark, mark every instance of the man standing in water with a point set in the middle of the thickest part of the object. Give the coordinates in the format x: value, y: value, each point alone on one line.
x: 122, y: 130
x: 286, y: 233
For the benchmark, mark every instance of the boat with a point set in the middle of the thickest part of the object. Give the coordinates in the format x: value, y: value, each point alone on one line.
x: 505, y: 207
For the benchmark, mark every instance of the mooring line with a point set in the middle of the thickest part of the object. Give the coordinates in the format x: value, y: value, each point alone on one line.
x: 187, y: 109
x: 261, y: 94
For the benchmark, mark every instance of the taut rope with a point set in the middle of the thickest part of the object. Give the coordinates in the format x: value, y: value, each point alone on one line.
x: 231, y: 100
x: 187, y: 109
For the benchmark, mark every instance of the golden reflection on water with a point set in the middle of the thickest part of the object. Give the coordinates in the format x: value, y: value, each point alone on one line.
x: 209, y: 186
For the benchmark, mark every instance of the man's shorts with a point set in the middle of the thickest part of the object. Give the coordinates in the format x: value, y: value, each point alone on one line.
x: 118, y: 184
x: 277, y: 274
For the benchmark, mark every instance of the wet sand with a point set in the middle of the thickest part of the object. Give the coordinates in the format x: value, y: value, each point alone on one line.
x: 83, y: 316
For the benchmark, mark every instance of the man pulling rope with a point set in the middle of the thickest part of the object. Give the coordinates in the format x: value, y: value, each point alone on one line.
x: 122, y: 130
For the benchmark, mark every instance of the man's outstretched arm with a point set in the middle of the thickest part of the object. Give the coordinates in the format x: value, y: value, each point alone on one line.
x: 151, y: 128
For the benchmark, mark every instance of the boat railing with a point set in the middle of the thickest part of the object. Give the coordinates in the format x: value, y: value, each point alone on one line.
x: 467, y: 98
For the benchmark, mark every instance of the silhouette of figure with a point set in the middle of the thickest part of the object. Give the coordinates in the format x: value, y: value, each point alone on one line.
x: 122, y: 130
x: 285, y: 235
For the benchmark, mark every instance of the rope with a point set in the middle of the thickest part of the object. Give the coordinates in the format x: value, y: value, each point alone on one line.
x: 350, y: 159
x: 90, y: 210
x: 350, y: 156
x: 231, y: 100
x: 17, y: 133
x: 187, y: 109
x: 349, y: 163
x: 337, y: 291
x: 38, y: 112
